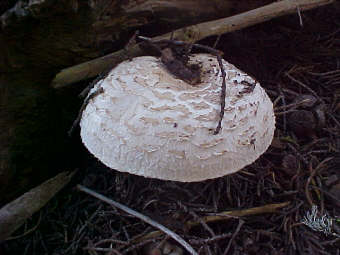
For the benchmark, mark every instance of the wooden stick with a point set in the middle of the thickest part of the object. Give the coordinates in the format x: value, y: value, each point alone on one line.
x: 192, y: 33
x: 15, y: 213
x: 270, y: 208
x: 223, y: 216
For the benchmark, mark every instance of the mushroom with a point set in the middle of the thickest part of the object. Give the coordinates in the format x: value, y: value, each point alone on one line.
x: 148, y: 122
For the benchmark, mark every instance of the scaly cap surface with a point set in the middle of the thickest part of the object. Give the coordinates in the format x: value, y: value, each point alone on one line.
x: 149, y: 123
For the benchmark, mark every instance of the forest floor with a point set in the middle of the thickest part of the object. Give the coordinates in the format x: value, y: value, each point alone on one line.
x: 268, y: 199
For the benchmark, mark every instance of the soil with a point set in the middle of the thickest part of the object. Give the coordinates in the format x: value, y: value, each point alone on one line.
x: 266, y: 201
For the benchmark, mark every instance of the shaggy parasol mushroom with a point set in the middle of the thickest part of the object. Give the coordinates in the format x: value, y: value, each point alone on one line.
x: 148, y: 122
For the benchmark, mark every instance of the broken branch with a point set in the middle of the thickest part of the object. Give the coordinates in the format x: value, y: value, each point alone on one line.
x: 192, y: 33
x: 15, y: 213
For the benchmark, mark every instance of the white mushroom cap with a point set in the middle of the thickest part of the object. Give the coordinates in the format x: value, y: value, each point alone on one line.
x: 149, y: 123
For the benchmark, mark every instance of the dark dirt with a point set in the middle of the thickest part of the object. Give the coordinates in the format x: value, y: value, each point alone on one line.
x: 300, y: 169
x: 190, y: 74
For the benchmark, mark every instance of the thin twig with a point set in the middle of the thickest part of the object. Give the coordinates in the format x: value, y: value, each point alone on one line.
x: 327, y: 193
x: 311, y: 176
x: 241, y: 222
x: 304, y: 86
x: 211, y: 239
x: 329, y: 73
x: 292, y: 105
x: 139, y: 216
x: 217, y: 41
x: 82, y: 108
x: 284, y: 113
x: 86, y: 90
x: 110, y: 241
x: 222, y: 96
x: 283, y: 98
x: 102, y: 249
x: 197, y: 218
x: 270, y: 208
x: 300, y: 16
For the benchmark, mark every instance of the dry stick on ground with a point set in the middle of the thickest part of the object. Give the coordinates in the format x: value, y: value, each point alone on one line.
x: 15, y: 213
x: 270, y: 208
x: 139, y: 216
x: 192, y: 33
